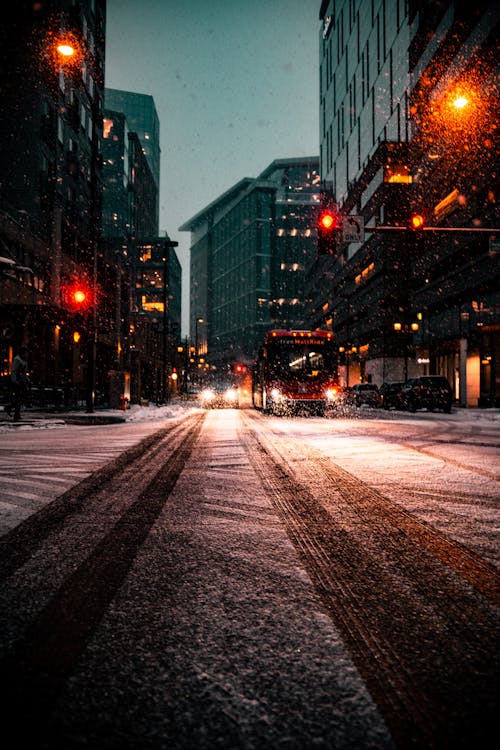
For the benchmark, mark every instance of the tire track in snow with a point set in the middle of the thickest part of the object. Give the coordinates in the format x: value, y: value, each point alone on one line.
x: 418, y: 612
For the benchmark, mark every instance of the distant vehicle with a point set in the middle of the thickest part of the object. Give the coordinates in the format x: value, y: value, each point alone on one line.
x: 390, y: 394
x: 220, y: 394
x: 295, y: 371
x: 364, y: 394
x: 427, y: 392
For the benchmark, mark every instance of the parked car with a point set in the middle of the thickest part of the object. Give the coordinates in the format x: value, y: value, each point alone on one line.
x: 390, y: 394
x: 220, y: 394
x: 364, y: 394
x: 427, y: 392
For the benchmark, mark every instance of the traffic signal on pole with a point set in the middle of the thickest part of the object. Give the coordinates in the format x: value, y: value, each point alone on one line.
x: 329, y: 231
x: 417, y: 221
x: 77, y: 296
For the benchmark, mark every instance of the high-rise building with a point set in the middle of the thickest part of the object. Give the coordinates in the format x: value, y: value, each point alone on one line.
x: 403, y: 303
x: 50, y: 193
x: 151, y: 269
x: 250, y: 252
x: 142, y: 119
x: 116, y: 203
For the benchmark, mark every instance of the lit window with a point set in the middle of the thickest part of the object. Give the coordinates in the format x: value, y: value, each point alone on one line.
x: 107, y: 127
x: 397, y: 173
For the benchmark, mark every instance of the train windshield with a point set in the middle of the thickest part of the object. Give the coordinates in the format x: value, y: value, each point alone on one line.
x: 290, y: 360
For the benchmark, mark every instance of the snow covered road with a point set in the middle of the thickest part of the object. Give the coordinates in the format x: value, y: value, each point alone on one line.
x: 242, y: 581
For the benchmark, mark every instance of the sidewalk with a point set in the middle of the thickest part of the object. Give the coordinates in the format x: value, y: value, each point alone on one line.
x: 45, y: 418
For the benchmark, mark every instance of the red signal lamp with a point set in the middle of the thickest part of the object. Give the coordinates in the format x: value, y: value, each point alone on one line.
x: 329, y: 230
x: 328, y: 220
x: 79, y: 297
x: 417, y: 221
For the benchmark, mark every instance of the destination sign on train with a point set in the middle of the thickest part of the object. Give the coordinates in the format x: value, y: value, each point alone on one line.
x: 298, y: 341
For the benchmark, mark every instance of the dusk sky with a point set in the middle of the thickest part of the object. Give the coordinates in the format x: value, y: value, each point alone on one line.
x: 235, y: 85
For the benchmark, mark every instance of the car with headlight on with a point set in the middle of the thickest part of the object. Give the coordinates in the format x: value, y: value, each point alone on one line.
x: 221, y: 394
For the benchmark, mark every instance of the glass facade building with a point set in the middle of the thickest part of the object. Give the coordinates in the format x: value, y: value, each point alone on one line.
x: 391, y: 143
x: 142, y: 118
x: 251, y: 250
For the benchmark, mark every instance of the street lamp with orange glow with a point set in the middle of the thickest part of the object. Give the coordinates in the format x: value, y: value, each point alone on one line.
x: 460, y: 102
x: 66, y: 50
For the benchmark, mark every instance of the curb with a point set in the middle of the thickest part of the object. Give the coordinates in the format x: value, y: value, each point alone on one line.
x: 93, y: 419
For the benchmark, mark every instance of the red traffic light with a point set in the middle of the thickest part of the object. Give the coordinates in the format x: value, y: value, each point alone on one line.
x: 417, y: 221
x: 328, y: 220
x: 329, y: 228
x: 77, y: 296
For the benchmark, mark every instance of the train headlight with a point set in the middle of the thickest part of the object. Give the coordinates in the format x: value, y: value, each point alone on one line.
x: 276, y: 393
x: 231, y: 394
x: 331, y: 394
x: 207, y: 395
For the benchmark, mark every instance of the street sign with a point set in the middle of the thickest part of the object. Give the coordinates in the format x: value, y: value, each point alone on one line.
x: 353, y: 229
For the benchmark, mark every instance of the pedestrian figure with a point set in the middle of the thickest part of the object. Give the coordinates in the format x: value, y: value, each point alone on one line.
x: 19, y: 383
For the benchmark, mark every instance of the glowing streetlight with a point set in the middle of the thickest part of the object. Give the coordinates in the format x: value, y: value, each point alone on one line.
x: 460, y: 102
x: 66, y: 50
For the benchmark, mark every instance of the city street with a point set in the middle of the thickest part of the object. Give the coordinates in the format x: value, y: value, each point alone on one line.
x: 226, y: 579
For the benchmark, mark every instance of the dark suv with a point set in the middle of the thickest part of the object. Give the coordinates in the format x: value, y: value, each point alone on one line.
x: 427, y: 392
x: 390, y: 394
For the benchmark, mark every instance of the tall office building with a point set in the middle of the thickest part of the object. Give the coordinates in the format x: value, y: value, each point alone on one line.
x: 403, y: 304
x: 116, y: 203
x: 50, y: 193
x: 250, y: 252
x: 152, y: 295
x: 142, y: 119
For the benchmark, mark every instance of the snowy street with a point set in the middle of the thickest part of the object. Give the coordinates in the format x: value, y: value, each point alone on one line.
x: 222, y: 578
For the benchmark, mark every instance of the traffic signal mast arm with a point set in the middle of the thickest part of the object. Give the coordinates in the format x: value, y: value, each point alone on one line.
x: 334, y: 228
x: 491, y: 230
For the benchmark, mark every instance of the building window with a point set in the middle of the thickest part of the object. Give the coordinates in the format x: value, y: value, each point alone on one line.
x: 397, y: 173
x: 107, y: 127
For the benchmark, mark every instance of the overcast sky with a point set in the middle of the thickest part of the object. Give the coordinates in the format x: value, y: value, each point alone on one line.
x: 235, y: 83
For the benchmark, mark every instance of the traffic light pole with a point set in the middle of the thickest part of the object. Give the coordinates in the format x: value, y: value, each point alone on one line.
x: 490, y: 230
x: 92, y: 348
x: 91, y: 365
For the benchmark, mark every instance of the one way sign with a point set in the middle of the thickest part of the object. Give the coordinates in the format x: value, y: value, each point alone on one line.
x: 353, y: 229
